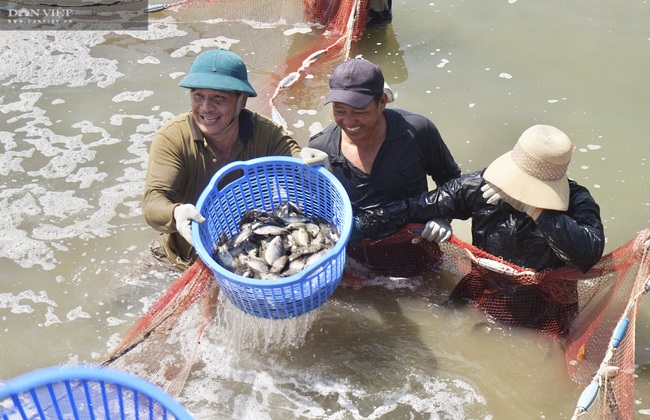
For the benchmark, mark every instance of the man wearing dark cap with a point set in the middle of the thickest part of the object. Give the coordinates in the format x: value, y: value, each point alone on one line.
x: 189, y: 149
x: 380, y: 155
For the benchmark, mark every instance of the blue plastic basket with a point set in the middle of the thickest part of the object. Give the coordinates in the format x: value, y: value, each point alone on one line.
x: 77, y: 392
x: 264, y: 184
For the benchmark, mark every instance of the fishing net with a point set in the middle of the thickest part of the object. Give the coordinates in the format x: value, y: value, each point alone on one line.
x: 592, y: 315
x: 162, y: 345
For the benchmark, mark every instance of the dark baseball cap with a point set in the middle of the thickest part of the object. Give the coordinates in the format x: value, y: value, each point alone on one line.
x: 355, y: 82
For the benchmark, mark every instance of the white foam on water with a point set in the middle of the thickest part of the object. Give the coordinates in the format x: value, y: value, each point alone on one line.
x: 27, y: 252
x: 42, y: 59
x: 86, y: 177
x: 505, y: 76
x: 113, y: 321
x: 157, y: 29
x: 62, y: 204
x: 13, y: 302
x: 315, y: 128
x: 255, y: 368
x: 25, y: 104
x: 76, y: 313
x: 271, y: 387
x: 51, y: 318
x: 200, y: 44
x: 149, y: 60
x: 7, y: 139
x: 297, y: 30
x: 133, y: 96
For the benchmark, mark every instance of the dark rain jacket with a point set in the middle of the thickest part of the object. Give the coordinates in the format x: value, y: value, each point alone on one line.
x: 413, y: 149
x: 181, y: 164
x: 574, y: 238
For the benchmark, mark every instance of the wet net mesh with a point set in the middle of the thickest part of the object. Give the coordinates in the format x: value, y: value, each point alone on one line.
x: 161, y: 346
x: 592, y: 315
x: 586, y: 313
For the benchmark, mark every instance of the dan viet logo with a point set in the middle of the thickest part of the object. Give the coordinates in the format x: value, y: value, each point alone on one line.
x: 111, y: 16
x: 39, y: 16
x: 48, y: 13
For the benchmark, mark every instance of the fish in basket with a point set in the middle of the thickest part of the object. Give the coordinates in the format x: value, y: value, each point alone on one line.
x: 247, y: 205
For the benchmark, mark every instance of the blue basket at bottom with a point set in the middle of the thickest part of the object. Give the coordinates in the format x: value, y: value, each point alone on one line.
x: 264, y: 184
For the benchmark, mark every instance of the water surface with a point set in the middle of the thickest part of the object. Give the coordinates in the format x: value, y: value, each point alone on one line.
x: 79, y: 110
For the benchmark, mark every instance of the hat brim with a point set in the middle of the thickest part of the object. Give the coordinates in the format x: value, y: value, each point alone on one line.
x: 348, y: 97
x: 507, y: 176
x: 220, y: 82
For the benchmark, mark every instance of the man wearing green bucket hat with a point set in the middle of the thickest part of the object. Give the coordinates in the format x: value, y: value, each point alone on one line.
x: 190, y: 148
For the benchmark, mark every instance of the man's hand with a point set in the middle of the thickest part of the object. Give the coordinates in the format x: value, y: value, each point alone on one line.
x: 315, y: 157
x: 437, y: 230
x: 184, y: 214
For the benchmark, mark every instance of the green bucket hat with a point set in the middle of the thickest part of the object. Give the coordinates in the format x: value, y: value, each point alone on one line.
x: 219, y: 70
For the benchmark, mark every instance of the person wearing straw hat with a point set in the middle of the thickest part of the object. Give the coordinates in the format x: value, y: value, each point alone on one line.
x: 523, y: 206
x: 190, y: 148
x: 380, y: 155
x: 525, y: 210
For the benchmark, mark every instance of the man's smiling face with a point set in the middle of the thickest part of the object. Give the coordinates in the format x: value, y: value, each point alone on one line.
x: 213, y: 109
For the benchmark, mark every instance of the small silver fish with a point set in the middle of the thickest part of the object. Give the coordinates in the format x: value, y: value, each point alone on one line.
x: 243, y: 235
x: 275, y: 244
x: 301, y: 237
x: 224, y: 258
x: 313, y: 258
x: 299, y: 252
x: 270, y: 230
x: 257, y: 265
x: 278, y: 265
x: 274, y: 250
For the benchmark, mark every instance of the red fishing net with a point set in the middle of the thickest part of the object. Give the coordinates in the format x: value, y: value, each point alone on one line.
x: 161, y: 346
x: 582, y: 311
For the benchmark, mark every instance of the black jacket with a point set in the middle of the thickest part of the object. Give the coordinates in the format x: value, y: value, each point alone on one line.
x: 575, y: 238
x: 412, y: 151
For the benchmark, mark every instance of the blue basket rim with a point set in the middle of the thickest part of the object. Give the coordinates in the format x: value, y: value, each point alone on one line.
x: 55, y: 374
x: 285, y: 281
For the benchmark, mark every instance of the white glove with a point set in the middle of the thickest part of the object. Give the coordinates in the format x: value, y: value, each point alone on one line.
x: 184, y: 214
x: 315, y: 157
x: 437, y: 230
x: 493, y: 194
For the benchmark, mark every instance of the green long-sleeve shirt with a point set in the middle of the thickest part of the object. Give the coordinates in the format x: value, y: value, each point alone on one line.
x: 181, y: 164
